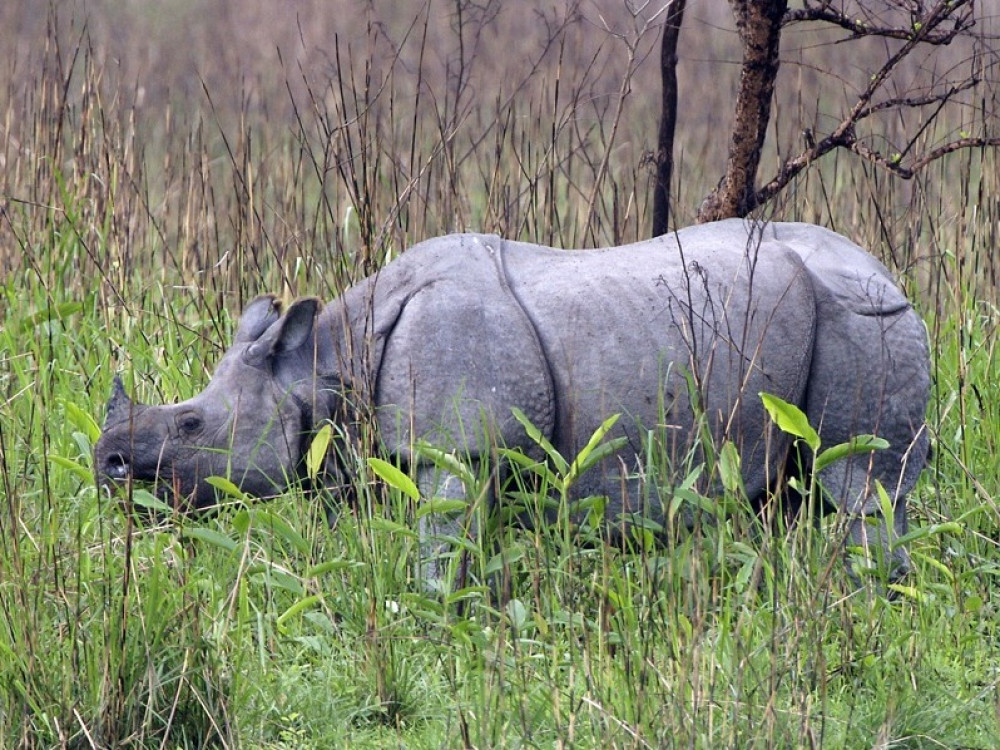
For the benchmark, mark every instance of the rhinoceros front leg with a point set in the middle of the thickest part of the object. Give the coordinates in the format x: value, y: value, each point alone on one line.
x: 439, y: 530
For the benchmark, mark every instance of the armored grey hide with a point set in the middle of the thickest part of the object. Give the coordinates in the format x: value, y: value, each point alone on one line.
x: 446, y: 340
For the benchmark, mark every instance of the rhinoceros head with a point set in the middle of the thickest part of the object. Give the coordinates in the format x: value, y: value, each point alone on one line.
x: 248, y: 425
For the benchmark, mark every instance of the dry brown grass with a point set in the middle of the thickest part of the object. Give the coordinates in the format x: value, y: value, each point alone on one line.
x: 222, y: 143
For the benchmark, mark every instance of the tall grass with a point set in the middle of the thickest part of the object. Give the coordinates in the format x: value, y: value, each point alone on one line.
x: 144, y: 202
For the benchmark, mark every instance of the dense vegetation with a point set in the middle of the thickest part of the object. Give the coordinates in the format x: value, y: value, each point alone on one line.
x: 154, y: 179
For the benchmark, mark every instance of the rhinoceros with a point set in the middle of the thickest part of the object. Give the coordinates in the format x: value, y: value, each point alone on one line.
x: 446, y: 341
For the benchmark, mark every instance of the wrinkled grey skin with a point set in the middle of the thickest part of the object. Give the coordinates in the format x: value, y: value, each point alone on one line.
x: 448, y: 338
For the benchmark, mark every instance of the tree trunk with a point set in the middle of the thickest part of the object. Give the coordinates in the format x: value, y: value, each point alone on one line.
x: 668, y: 118
x: 759, y: 25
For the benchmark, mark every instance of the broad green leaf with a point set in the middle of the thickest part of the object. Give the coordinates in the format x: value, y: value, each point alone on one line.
x: 56, y: 312
x: 392, y: 527
x: 227, y: 487
x: 924, y: 532
x: 331, y: 566
x: 581, y: 463
x: 638, y: 522
x: 510, y: 555
x: 729, y: 469
x: 316, y: 455
x: 790, y: 419
x: 685, y: 494
x: 278, y: 526
x: 857, y: 444
x: 522, y: 459
x: 470, y: 593
x: 149, y: 501
x: 276, y: 577
x: 885, y: 504
x: 82, y: 421
x: 933, y: 562
x: 394, y: 477
x: 591, y: 505
x: 604, y: 450
x: 517, y: 613
x: 82, y: 472
x: 441, y: 505
x: 525, y: 462
x: 210, y: 536
x: 561, y: 464
x: 83, y: 443
x: 911, y: 592
x: 301, y: 605
x: 447, y: 462
x: 240, y: 521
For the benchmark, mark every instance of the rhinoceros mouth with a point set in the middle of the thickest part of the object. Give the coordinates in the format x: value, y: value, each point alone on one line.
x: 117, y: 476
x: 117, y: 470
x: 150, y: 499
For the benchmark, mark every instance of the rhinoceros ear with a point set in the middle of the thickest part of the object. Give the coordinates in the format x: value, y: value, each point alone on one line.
x: 297, y: 325
x: 291, y: 331
x: 257, y: 317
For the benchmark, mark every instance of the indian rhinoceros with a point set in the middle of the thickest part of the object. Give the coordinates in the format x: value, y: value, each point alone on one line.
x: 445, y: 341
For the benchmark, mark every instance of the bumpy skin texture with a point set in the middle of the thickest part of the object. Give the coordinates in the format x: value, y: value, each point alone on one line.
x: 446, y: 340
x: 870, y: 373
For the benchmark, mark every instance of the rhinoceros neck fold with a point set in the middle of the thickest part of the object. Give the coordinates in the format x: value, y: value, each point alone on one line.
x: 353, y: 328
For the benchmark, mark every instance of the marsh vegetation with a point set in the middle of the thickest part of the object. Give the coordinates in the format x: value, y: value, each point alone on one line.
x: 161, y: 165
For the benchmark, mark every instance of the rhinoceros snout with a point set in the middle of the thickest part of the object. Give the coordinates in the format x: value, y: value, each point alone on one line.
x: 116, y: 468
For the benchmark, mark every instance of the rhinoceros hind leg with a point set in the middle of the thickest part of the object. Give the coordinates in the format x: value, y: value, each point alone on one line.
x: 872, y: 535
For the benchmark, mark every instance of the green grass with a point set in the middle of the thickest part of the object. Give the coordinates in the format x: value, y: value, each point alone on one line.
x: 131, y: 249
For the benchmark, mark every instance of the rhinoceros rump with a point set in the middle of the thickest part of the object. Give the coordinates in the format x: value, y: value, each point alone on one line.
x: 450, y: 337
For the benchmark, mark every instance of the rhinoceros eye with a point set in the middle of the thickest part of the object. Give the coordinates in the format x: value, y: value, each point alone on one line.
x: 189, y: 423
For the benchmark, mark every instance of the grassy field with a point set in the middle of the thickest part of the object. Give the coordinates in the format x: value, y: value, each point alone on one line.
x: 160, y: 169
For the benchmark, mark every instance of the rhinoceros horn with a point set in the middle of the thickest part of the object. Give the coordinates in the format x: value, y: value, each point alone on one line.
x: 120, y: 406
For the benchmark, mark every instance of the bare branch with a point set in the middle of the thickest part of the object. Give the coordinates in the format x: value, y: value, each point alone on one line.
x: 794, y: 166
x: 950, y: 148
x: 914, y: 102
x: 862, y: 28
x: 894, y: 165
x: 847, y: 139
x: 925, y: 29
